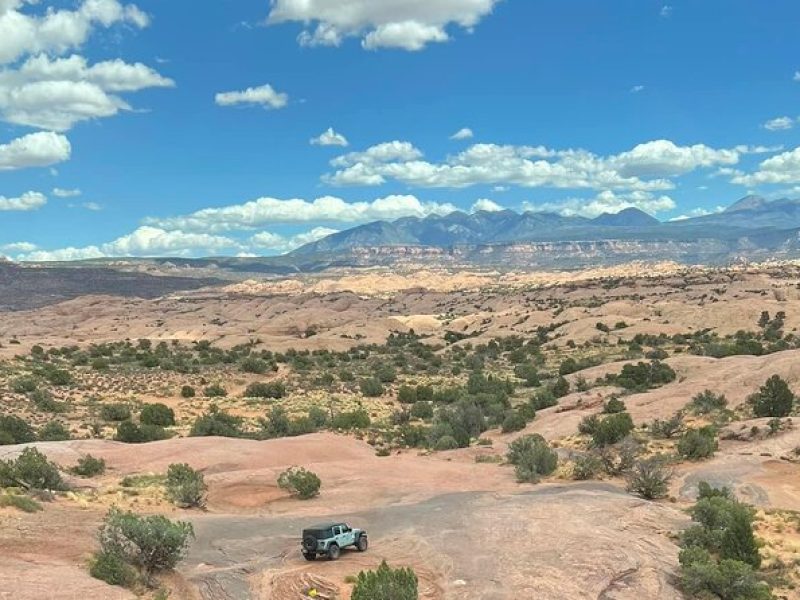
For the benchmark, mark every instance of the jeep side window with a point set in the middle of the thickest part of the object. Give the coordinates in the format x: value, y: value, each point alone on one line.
x: 337, y: 531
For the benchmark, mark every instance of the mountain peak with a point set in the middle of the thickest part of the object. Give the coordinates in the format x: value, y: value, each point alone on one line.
x: 750, y: 202
x: 627, y: 217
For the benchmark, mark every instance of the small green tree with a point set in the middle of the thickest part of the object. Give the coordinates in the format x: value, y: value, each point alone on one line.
x: 89, y: 466
x: 371, y: 387
x: 649, y: 478
x: 185, y: 487
x: 14, y: 430
x: 151, y: 544
x: 386, y: 583
x: 697, y: 444
x: 773, y: 399
x: 31, y: 471
x: 54, y: 431
x: 157, y: 414
x: 612, y: 429
x: 532, y: 458
x: 299, y: 482
x: 270, y: 389
x: 187, y: 391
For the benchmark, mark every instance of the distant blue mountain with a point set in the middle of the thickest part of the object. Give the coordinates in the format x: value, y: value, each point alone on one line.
x: 744, y: 218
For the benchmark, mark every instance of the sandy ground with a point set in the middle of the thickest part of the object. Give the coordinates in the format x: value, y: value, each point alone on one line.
x: 468, y: 529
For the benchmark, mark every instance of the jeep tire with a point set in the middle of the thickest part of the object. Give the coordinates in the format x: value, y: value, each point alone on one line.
x: 362, y: 543
x: 310, y: 555
x: 334, y: 551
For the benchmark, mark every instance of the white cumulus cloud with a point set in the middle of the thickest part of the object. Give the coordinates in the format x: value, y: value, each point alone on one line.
x: 403, y: 24
x: 38, y: 149
x: 779, y: 124
x: 646, y: 167
x: 57, y: 30
x: 464, y: 133
x: 606, y: 201
x: 65, y: 193
x: 279, y: 243
x: 26, y: 202
x: 781, y: 168
x: 58, y: 93
x: 268, y: 211
x: 329, y: 138
x: 264, y: 95
x: 487, y: 205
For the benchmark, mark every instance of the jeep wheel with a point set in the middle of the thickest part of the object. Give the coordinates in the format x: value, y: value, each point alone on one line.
x: 334, y: 551
x: 309, y: 543
x: 362, y: 543
x: 310, y: 556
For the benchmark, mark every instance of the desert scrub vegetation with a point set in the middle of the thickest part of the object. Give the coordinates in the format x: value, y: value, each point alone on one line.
x: 134, y: 549
x: 386, y: 583
x: 642, y: 376
x: 31, y: 471
x: 185, y: 487
x: 719, y: 555
x: 532, y: 458
x: 89, y: 466
x: 300, y: 482
x: 773, y: 399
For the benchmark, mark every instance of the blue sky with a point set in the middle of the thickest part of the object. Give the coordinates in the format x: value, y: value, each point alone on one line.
x: 178, y: 128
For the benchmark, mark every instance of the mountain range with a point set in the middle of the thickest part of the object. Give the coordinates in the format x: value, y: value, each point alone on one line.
x: 751, y: 229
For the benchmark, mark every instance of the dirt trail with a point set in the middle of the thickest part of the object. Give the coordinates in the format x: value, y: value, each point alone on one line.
x: 554, y: 541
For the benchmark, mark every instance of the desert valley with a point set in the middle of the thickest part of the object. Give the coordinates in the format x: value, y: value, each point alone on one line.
x: 410, y: 394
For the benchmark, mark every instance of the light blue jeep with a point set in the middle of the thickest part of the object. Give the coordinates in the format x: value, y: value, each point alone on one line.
x: 328, y: 539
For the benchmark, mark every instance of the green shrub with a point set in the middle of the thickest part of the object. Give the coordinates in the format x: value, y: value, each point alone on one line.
x: 559, y: 388
x: 613, y: 406
x: 612, y: 429
x: 149, y: 543
x: 32, y: 471
x: 54, y: 431
x: 720, y: 554
x: 704, y: 577
x: 649, y: 478
x: 643, y: 376
x: 386, y: 583
x: 185, y: 487
x: 254, y: 365
x: 531, y: 457
x: 773, y: 399
x: 115, y: 412
x: 697, y: 444
x: 371, y: 387
x: 44, y: 401
x: 20, y: 502
x: 667, y: 428
x: 187, y: 391
x: 58, y: 377
x: 89, y: 466
x: 157, y: 414
x: 422, y: 410
x: 271, y: 389
x: 112, y: 568
x: 216, y: 423
x: 215, y: 391
x: 299, y: 482
x: 513, y: 421
x: 100, y: 364
x: 131, y: 433
x: 707, y: 402
x: 544, y: 399
x: 586, y: 466
x: 23, y: 385
x: 355, y: 419
x: 407, y: 394
x: 14, y: 430
x: 318, y: 416
x: 446, y: 442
